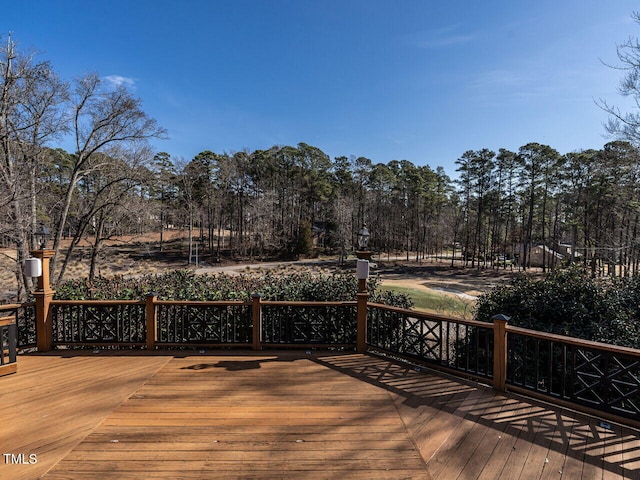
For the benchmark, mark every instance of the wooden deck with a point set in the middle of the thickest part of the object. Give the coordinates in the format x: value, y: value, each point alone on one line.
x: 291, y: 415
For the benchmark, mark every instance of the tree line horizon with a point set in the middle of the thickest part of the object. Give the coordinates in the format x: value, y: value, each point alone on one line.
x: 271, y: 202
x: 268, y: 203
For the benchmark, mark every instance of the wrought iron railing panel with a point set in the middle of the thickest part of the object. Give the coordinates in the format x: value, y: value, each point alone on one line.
x: 329, y: 324
x: 25, y: 315
x: 438, y: 340
x: 26, y: 321
x: 95, y: 323
x: 599, y: 378
x: 204, y: 323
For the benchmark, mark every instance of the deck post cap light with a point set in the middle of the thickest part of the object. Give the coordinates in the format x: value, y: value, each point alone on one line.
x: 41, y: 236
x: 363, y: 237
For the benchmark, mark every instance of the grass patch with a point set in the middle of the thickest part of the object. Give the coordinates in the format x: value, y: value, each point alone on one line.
x: 435, y: 302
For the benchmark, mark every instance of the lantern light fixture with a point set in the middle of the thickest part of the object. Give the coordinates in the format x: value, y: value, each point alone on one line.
x: 363, y: 238
x: 41, y: 236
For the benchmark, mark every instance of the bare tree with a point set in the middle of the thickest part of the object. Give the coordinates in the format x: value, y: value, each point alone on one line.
x: 102, y: 117
x: 106, y: 199
x: 31, y: 114
x: 626, y: 125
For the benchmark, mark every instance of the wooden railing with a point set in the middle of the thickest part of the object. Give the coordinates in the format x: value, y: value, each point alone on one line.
x: 593, y: 376
x: 596, y: 376
x: 8, y: 339
x: 463, y: 346
x: 211, y: 324
x: 25, y: 318
x: 308, y: 324
x: 98, y: 322
x: 161, y: 323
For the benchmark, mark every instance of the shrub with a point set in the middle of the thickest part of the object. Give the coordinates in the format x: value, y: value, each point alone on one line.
x: 186, y: 285
x: 569, y: 302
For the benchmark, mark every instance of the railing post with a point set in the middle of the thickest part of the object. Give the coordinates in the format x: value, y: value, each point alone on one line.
x: 256, y: 320
x: 43, y: 296
x: 361, y: 335
x: 362, y: 274
x: 500, y: 352
x: 151, y: 318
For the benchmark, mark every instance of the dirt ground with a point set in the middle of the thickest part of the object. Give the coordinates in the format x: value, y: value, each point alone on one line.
x: 441, y: 276
x: 130, y: 255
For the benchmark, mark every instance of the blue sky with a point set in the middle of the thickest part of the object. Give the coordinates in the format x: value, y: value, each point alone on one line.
x: 416, y: 80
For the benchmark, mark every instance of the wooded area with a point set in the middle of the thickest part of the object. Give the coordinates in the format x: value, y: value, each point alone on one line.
x: 579, y: 207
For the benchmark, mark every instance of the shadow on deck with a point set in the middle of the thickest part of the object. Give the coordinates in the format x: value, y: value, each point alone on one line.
x: 468, y: 431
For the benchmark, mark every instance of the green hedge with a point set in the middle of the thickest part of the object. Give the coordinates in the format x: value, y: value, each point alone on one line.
x: 186, y: 285
x: 570, y: 302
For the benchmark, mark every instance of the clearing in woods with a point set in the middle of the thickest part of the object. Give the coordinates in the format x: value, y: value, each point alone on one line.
x: 433, y: 285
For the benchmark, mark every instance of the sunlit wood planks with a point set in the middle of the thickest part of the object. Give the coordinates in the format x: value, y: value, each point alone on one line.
x: 288, y: 415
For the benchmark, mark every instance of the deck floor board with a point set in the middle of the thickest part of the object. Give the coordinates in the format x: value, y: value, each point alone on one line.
x: 287, y: 415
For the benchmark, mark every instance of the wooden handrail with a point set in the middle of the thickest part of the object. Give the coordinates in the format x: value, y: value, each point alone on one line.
x: 431, y: 316
x: 7, y: 321
x: 98, y: 303
x: 284, y: 303
x: 12, y: 306
x: 204, y: 303
x: 213, y: 303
